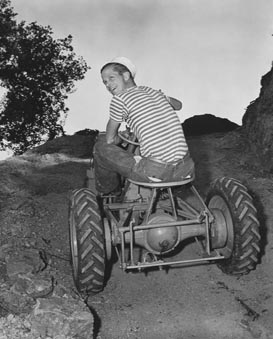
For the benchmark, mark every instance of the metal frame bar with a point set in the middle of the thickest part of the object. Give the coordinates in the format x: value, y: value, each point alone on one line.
x: 194, y: 217
x: 160, y: 263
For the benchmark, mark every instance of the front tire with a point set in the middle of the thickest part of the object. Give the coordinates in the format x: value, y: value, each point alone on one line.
x: 87, y: 242
x: 230, y: 198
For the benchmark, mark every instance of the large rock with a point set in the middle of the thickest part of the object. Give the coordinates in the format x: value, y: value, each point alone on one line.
x: 207, y: 124
x: 34, y: 304
x: 258, y: 122
x: 61, y: 318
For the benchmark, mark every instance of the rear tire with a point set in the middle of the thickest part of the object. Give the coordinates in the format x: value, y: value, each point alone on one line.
x: 242, y: 247
x: 87, y: 242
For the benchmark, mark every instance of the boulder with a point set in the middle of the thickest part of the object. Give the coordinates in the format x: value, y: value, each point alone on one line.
x: 34, y: 304
x: 61, y: 317
x: 207, y: 124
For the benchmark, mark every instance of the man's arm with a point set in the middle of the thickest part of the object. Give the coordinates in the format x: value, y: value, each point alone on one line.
x: 176, y: 104
x: 112, y: 132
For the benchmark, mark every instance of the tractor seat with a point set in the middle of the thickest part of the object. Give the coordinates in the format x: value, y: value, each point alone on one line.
x: 163, y: 184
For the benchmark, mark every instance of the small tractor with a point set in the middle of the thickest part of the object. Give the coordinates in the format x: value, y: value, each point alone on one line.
x: 150, y: 223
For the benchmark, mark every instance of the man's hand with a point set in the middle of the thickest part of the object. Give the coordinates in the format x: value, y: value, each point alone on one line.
x: 112, y: 132
x: 127, y: 134
x: 176, y: 104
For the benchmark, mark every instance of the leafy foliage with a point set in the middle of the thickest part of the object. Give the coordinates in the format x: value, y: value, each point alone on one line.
x: 38, y: 72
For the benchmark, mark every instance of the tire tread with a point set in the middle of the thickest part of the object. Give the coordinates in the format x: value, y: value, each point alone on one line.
x: 245, y: 254
x: 89, y: 278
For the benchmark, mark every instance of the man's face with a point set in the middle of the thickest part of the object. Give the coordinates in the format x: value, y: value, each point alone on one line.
x: 114, y: 82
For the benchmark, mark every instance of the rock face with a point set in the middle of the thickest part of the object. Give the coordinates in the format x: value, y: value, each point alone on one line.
x: 81, y: 142
x: 207, y: 124
x: 258, y: 122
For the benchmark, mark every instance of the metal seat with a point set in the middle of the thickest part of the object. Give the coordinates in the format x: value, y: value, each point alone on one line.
x: 162, y: 184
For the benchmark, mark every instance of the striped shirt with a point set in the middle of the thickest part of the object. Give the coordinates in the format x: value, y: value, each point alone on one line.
x: 150, y: 116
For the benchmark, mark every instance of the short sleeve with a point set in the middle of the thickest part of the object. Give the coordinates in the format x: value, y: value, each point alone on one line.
x: 117, y: 109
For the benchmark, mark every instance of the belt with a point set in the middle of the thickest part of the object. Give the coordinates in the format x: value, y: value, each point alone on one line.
x: 172, y: 163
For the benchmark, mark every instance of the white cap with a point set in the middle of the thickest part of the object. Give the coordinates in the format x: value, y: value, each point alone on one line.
x: 127, y: 63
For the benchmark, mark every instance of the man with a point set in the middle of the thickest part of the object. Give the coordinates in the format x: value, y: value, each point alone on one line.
x: 151, y: 116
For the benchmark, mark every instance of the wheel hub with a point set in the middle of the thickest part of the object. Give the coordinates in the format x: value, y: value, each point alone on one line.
x: 219, y: 231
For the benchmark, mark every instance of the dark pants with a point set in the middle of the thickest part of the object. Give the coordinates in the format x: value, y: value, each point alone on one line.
x: 111, y: 162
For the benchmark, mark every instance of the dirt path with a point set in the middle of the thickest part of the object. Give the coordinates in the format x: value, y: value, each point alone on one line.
x: 190, y: 302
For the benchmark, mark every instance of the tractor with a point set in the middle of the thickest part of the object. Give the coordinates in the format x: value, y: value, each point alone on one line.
x: 150, y: 223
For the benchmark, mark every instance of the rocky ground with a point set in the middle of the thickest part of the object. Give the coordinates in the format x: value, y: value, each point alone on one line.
x: 38, y: 298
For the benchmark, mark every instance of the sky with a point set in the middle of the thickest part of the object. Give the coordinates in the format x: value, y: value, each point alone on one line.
x: 210, y: 54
